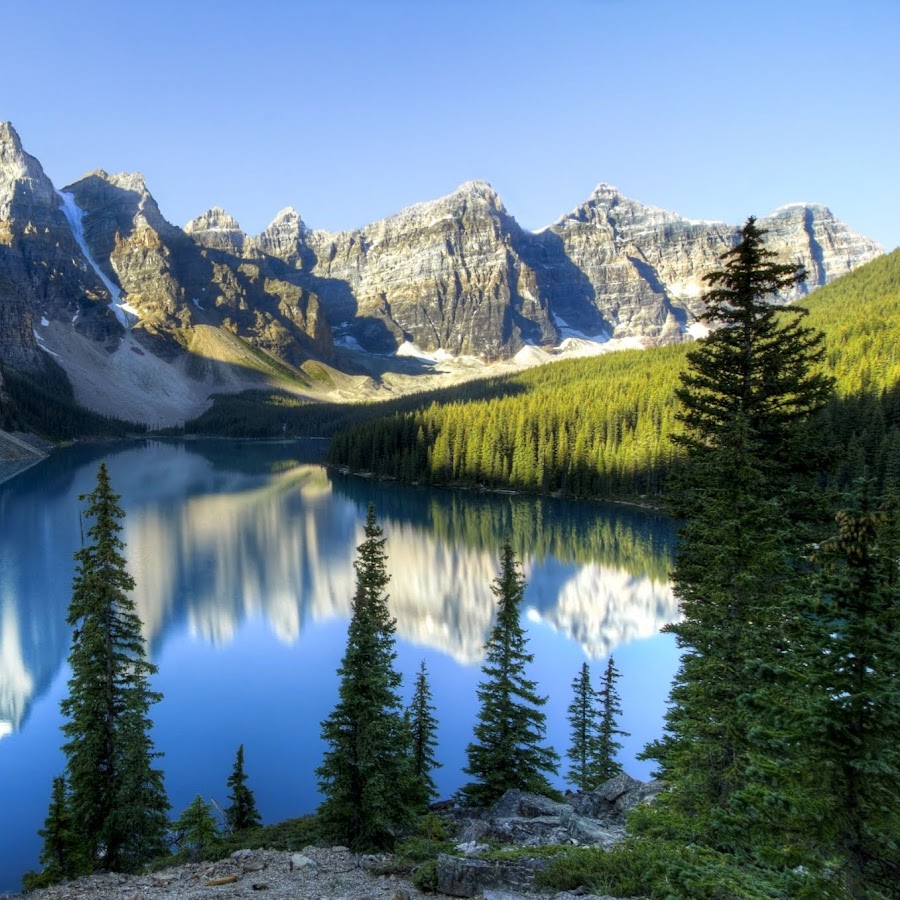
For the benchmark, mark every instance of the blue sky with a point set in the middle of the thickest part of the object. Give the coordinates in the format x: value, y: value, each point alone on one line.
x: 349, y: 111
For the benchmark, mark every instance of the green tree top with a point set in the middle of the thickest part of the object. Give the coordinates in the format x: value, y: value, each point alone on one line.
x: 422, y: 725
x: 507, y: 751
x: 242, y: 813
x: 608, y: 747
x: 759, y: 361
x: 583, y: 741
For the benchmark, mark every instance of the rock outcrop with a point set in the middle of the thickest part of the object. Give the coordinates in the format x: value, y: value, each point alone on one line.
x: 522, y: 820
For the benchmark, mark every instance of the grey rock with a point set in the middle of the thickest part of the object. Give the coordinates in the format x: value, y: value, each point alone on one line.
x: 615, y: 797
x: 458, y: 877
x: 516, y: 803
x: 473, y: 831
x: 300, y: 863
x: 217, y: 230
x: 472, y: 848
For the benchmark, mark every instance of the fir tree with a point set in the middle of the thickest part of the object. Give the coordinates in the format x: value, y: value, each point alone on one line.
x: 59, y: 855
x: 758, y: 365
x: 115, y: 794
x: 196, y: 832
x: 507, y: 752
x: 854, y: 718
x: 242, y: 813
x: 583, y: 749
x: 365, y: 775
x: 610, y: 709
x: 422, y: 726
x: 746, y: 496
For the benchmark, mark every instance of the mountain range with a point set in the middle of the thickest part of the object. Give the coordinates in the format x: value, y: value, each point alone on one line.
x: 148, y: 319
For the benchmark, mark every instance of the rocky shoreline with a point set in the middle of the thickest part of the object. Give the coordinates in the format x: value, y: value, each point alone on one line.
x: 475, y: 869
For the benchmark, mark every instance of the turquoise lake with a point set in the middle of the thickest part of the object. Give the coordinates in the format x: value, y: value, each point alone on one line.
x: 243, y: 558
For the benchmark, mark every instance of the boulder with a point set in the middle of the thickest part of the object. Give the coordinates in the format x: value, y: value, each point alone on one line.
x: 615, y: 797
x: 472, y: 877
x: 515, y: 804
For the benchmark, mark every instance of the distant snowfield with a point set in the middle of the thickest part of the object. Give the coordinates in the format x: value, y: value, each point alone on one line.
x: 574, y: 345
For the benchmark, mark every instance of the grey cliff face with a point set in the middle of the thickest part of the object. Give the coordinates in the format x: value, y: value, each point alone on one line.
x: 645, y: 266
x: 39, y: 254
x: 216, y: 230
x: 201, y: 276
x: 456, y: 274
x: 459, y: 274
x: 445, y: 274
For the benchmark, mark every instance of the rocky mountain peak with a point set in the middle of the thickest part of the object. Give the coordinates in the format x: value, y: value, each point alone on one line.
x: 477, y: 187
x: 605, y: 193
x: 9, y: 139
x: 217, y: 230
x: 123, y: 197
x: 23, y: 184
x: 479, y: 194
x: 288, y: 217
x: 822, y: 243
x: 284, y: 237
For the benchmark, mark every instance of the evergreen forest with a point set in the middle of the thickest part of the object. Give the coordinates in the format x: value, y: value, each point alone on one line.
x: 603, y: 427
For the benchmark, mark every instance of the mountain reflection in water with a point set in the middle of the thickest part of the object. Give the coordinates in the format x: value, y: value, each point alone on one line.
x: 217, y: 533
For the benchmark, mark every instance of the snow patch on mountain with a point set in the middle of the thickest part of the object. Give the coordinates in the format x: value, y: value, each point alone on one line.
x: 74, y: 214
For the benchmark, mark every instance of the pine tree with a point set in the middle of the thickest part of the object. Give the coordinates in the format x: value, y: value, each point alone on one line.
x: 854, y: 719
x: 365, y: 775
x: 59, y: 855
x: 605, y: 764
x: 196, y: 832
x: 242, y: 813
x: 583, y: 749
x: 422, y: 726
x: 507, y: 753
x: 748, y: 400
x: 115, y: 795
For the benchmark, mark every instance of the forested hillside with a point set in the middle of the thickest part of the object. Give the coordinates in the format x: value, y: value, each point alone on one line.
x: 602, y: 426
x: 44, y: 404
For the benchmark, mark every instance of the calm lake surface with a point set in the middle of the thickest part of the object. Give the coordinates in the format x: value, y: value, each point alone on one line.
x: 243, y: 557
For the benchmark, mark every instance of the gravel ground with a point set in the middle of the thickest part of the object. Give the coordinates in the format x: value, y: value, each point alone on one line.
x: 314, y: 873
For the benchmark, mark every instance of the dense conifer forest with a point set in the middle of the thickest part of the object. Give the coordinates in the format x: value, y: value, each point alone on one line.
x: 603, y: 426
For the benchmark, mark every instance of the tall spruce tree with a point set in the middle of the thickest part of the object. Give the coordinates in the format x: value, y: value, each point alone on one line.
x: 747, y: 404
x: 853, y: 709
x: 365, y: 775
x: 242, y: 813
x: 114, y: 792
x: 606, y: 764
x: 583, y: 711
x: 422, y: 725
x: 507, y: 752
